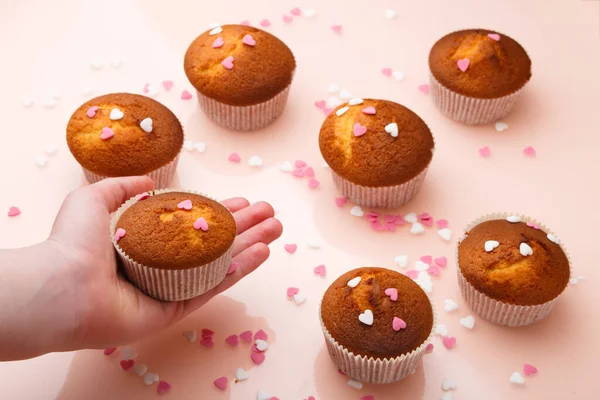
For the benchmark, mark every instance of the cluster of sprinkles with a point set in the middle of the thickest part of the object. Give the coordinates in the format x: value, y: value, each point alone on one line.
x: 524, y: 248
x: 128, y: 363
x: 463, y: 63
x: 301, y: 169
x: 200, y: 223
x: 115, y: 115
x: 248, y: 40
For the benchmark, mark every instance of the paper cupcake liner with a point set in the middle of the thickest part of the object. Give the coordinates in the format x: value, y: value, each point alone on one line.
x: 470, y: 110
x: 372, y: 370
x: 496, y: 311
x: 170, y: 285
x: 245, y: 118
x: 161, y: 176
x: 380, y: 197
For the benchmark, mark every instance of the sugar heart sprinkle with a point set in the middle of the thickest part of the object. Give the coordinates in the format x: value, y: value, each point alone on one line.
x: 369, y: 110
x: 290, y: 248
x: 398, y: 324
x: 107, y: 133
x: 320, y: 270
x: 185, y: 95
x: 91, y: 112
x: 185, y: 205
x: 392, y: 293
x: 529, y: 369
x: 120, y: 234
x: 221, y: 383
x: 359, y: 129
x: 463, y: 64
x: 227, y: 63
x: 248, y: 40
x: 201, y: 224
x: 163, y: 387
x: 234, y: 157
x: 218, y: 43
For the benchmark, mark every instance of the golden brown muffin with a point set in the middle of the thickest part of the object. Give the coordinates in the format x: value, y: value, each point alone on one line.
x: 496, y: 67
x: 504, y: 273
x: 376, y: 158
x: 342, y: 305
x: 160, y: 231
x: 131, y: 151
x: 259, y: 72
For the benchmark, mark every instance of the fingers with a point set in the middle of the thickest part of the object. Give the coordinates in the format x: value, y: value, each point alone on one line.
x: 113, y: 192
x: 253, y: 215
x: 265, y: 232
x: 235, y: 204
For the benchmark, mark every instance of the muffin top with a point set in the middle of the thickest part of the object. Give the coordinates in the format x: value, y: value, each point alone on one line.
x: 494, y: 64
x: 239, y: 65
x: 124, y: 134
x: 513, y: 262
x: 389, y: 296
x: 375, y: 143
x: 175, y: 230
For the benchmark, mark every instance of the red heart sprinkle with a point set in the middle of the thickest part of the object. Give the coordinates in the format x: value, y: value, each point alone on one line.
x: 261, y: 335
x: 258, y: 358
x: 163, y: 387
x: 246, y: 336
x: 109, y: 351
x: 233, y: 340
x: 127, y: 364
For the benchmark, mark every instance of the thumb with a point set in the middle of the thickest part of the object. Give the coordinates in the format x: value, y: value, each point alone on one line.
x: 113, y: 192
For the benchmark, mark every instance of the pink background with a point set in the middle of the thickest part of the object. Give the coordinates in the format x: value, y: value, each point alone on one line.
x: 48, y: 46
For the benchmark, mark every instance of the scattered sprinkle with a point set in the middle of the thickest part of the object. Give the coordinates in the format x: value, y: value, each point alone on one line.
x: 341, y: 111
x: 127, y: 364
x: 201, y: 224
x: 424, y: 88
x: 501, y: 126
x: 190, y: 335
x: 490, y: 245
x: 228, y: 62
x: 369, y: 110
x: 215, y: 31
x: 265, y: 23
x: 450, y: 305
x: 417, y: 228
x: 140, y: 369
x: 340, y: 201
x: 401, y: 260
x: 320, y: 270
x: 366, y: 317
x: 463, y: 64
x: 387, y: 72
x: 529, y: 369
x: 445, y: 234
x: 553, y: 238
x: 399, y: 75
x: 517, y: 378
x: 168, y: 85
x: 249, y: 40
x: 313, y: 183
x: 354, y: 282
x: 207, y: 342
x: 185, y: 95
x: 255, y: 161
x: 494, y: 36
x: 308, y: 12
x: 299, y: 299
x: 314, y: 243
x: 14, y: 211
x: 120, y: 234
x: 484, y: 151
x: 441, y: 330
x: 398, y: 324
x: 429, y: 348
x: 337, y: 29
x: 146, y: 125
x: 246, y: 336
x: 390, y: 14
x: 449, y: 342
x: 357, y: 211
x: 234, y: 157
x: 296, y: 11
x: 468, y: 322
x: 359, y: 129
x: 290, y: 248
x: 529, y: 151
x: 286, y: 18
x: 218, y: 43
x: 41, y: 161
x: 258, y: 358
x: 163, y: 387
x: 185, y: 205
x: 525, y: 249
x: 392, y: 129
x: 109, y: 351
x: 96, y: 64
x: 142, y: 196
x: 355, y: 384
x: 448, y: 384
x: 150, y: 378
x: 221, y: 383
x: 241, y: 375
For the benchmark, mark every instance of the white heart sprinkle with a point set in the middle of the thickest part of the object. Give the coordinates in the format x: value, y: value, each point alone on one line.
x: 573, y: 281
x: 525, y: 249
x: 421, y: 266
x: 446, y: 396
x: 261, y: 345
x: 450, y: 305
x: 96, y: 64
x: 580, y: 277
x: 501, y: 126
x: 513, y: 219
x: 468, y: 322
x: 140, y: 369
x: 366, y: 317
x: 445, y: 234
x: 49, y: 102
x: 553, y: 238
x: 115, y: 62
x: 517, y: 378
x: 41, y: 161
x: 345, y: 94
x: 128, y: 353
x: 299, y: 298
x: 146, y: 125
x: 333, y: 88
x: 213, y: 25
x: 448, y: 384
x: 152, y: 91
x: 333, y: 102
x: 308, y: 12
x: 355, y: 384
x: 188, y: 145
x: 150, y: 378
x: 441, y: 330
x: 190, y: 335
x: 399, y: 75
x: 215, y: 31
x: 286, y: 167
x: 411, y: 218
x: 341, y: 111
x: 392, y: 129
x: 314, y: 243
x: 255, y: 161
x: 200, y: 147
x: 50, y: 149
x: 401, y: 260
x: 262, y: 395
x: 241, y: 374
x: 116, y: 114
x: 354, y: 282
x: 357, y: 211
x: 424, y: 280
x: 390, y: 14
x: 356, y: 101
x: 417, y: 228
x: 490, y: 245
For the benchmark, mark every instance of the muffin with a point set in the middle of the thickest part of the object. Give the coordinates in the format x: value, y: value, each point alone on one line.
x: 378, y: 151
x: 242, y: 75
x: 174, y: 245
x: 123, y: 134
x: 377, y: 324
x: 477, y: 75
x: 511, y: 270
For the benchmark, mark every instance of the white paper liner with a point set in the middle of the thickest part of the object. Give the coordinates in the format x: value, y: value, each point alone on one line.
x: 161, y: 176
x: 381, y: 370
x: 170, y: 285
x: 470, y: 110
x: 245, y: 118
x: 496, y: 311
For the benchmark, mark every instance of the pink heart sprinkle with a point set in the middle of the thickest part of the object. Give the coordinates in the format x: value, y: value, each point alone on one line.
x: 248, y: 40
x: 286, y: 18
x: 107, y: 133
x: 163, y: 387
x: 258, y: 358
x: 412, y: 273
x: 368, y: 397
x: 185, y: 95
x: 449, y: 342
x: 300, y: 164
x: 533, y: 225
x: 146, y: 88
x: 201, y: 224
x: 168, y: 85
x: 389, y: 226
x: 228, y: 62
x: 296, y: 11
x: 120, y: 234
x: 392, y: 292
x: 311, y: 398
x: 337, y: 28
x: 232, y: 268
x: 290, y: 248
x: 425, y: 217
x: 261, y: 335
x: 441, y: 261
x: 359, y: 130
x: 494, y: 36
x: 377, y: 226
x: 399, y: 220
x: 298, y: 173
x: 291, y: 291
x: 320, y: 270
x: 529, y: 151
x: 426, y: 259
x: 207, y: 342
x: 429, y: 348
x: 234, y: 157
x: 142, y: 196
x: 389, y: 218
x: 219, y: 42
x: 126, y: 364
x: 369, y: 111
x: 372, y: 216
x: 221, y: 383
x: 206, y: 333
x: 13, y: 211
x: 484, y: 151
x: 340, y: 201
x: 442, y: 223
x: 246, y: 336
x: 529, y: 369
x: 109, y: 351
x: 309, y: 172
x: 245, y: 23
x: 327, y: 111
x: 91, y: 112
x: 387, y: 72
x: 185, y: 205
x: 313, y: 183
x: 265, y: 23
x: 255, y: 349
x: 233, y: 340
x: 398, y: 324
x: 463, y: 64
x: 320, y: 104
x: 424, y: 88
x: 434, y: 270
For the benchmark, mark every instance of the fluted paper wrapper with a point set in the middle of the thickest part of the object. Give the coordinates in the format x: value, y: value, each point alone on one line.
x: 161, y: 176
x: 245, y: 118
x: 371, y: 370
x: 170, y: 285
x: 496, y: 311
x: 470, y: 110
